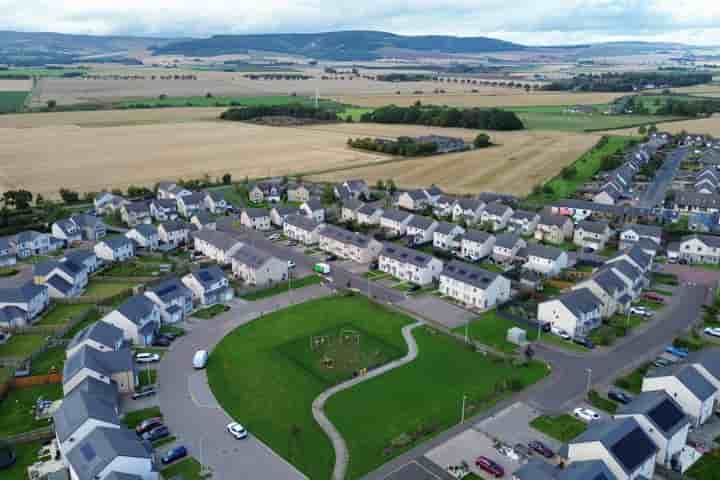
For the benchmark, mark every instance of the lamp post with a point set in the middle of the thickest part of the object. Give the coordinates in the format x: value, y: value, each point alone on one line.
x: 589, y: 379
x: 462, y: 414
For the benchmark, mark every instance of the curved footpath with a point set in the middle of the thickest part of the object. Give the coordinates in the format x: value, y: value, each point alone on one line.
x: 341, y: 451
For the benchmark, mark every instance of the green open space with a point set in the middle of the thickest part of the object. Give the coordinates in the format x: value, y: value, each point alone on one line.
x: 62, y: 313
x: 224, y: 101
x: 139, y: 267
x: 210, y: 312
x: 133, y: 418
x: 187, y: 469
x: 283, y: 287
x: 12, y: 102
x: 617, y: 326
x: 707, y: 468
x: 103, y: 289
x: 26, y: 454
x: 92, y: 317
x: 17, y: 410
x: 632, y: 382
x: 556, y: 118
x: 51, y: 358
x: 491, y: 329
x: 21, y: 345
x: 561, y: 427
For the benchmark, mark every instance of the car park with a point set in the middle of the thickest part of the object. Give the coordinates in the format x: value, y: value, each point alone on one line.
x: 156, y: 433
x: 148, y: 424
x: 507, y: 451
x: 489, y: 466
x: 712, y: 331
x: 142, y: 392
x: 174, y: 454
x: 586, y: 414
x: 620, y: 397
x: 237, y: 431
x: 145, y: 357
x: 541, y: 448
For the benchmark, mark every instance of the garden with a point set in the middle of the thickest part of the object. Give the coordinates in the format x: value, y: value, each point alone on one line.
x: 562, y: 427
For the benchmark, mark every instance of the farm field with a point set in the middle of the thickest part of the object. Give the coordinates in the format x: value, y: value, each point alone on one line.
x: 114, y: 118
x: 554, y: 118
x: 204, y: 101
x: 12, y: 85
x: 12, y: 101
x: 703, y: 125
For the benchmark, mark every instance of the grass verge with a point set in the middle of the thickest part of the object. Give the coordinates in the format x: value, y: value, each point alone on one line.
x: 562, y: 427
x: 283, y: 287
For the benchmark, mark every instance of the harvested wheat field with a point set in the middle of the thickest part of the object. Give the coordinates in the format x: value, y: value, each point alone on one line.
x: 703, y: 125
x: 7, y: 85
x: 110, y: 118
x: 518, y: 162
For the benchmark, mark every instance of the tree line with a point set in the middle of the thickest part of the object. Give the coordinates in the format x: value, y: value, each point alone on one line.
x: 294, y: 111
x: 628, y: 81
x: 475, y: 118
x: 403, y: 146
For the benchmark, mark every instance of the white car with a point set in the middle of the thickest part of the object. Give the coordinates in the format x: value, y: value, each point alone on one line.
x: 237, y: 430
x: 641, y: 311
x: 560, y: 333
x: 508, y: 452
x: 291, y: 264
x: 147, y: 357
x: 273, y: 237
x: 585, y: 414
x: 712, y: 331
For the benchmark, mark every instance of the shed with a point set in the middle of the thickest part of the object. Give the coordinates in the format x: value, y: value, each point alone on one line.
x: 516, y: 335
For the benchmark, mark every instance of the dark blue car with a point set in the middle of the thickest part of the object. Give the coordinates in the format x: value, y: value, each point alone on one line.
x: 175, y: 454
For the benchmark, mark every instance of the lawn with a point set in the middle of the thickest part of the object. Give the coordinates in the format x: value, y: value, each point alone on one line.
x: 187, y: 469
x: 551, y: 339
x: 52, y: 357
x: 562, y: 427
x: 210, y: 312
x: 632, y: 382
x: 179, y: 331
x: 707, y: 468
x: 92, y: 317
x: 491, y: 329
x: 16, y: 411
x: 220, y: 101
x: 283, y: 287
x: 605, y: 404
x: 580, y: 122
x: 27, y: 454
x: 22, y: 345
x: 140, y: 267
x: 107, y: 289
x: 61, y: 313
x: 147, y: 376
x: 133, y: 418
x: 12, y: 102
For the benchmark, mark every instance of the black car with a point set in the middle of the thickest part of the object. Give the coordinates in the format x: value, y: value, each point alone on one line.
x: 331, y: 258
x: 156, y: 433
x: 162, y: 342
x: 585, y: 342
x: 414, y: 288
x: 541, y: 448
x: 546, y: 327
x: 170, y: 336
x: 620, y: 397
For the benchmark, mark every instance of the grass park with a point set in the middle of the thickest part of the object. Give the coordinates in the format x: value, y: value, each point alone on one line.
x: 491, y: 329
x: 286, y: 360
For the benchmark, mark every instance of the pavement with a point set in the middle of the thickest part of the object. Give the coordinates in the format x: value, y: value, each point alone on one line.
x: 654, y: 195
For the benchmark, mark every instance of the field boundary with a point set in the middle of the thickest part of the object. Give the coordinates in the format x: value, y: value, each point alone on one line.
x: 637, y: 125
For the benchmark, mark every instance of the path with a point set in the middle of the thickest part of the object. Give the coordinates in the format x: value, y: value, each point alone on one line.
x: 341, y: 451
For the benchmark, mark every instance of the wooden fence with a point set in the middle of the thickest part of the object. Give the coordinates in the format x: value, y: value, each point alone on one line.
x: 40, y: 434
x: 35, y: 380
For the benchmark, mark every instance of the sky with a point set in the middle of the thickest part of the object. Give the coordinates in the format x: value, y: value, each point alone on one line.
x: 530, y: 22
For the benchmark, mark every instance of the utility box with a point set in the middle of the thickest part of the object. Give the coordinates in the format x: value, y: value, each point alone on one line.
x: 516, y: 335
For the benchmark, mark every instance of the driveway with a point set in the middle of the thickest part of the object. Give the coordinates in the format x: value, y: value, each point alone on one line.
x: 193, y: 414
x: 23, y: 276
x: 440, y: 311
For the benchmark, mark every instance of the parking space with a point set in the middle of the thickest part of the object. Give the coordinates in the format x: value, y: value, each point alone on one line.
x: 512, y: 426
x: 449, y: 315
x: 420, y: 469
x: 353, y: 267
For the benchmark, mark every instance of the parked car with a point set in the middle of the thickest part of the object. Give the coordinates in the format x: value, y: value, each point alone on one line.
x: 541, y: 448
x: 640, y: 311
x: 147, y: 391
x: 523, y: 450
x: 162, y: 342
x: 620, y: 397
x: 200, y: 359
x: 331, y: 258
x: 586, y: 414
x: 171, y: 336
x: 147, y: 357
x: 237, y: 430
x: 148, y: 424
x: 156, y: 433
x: 175, y: 454
x: 712, y: 331
x: 273, y: 237
x: 507, y: 451
x: 654, y: 297
x: 489, y: 466
x: 585, y: 342
x: 677, y: 351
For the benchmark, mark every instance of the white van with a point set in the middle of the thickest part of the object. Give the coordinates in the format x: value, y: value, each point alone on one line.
x: 200, y: 359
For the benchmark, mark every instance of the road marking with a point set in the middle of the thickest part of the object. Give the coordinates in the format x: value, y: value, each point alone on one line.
x: 195, y: 400
x: 410, y: 463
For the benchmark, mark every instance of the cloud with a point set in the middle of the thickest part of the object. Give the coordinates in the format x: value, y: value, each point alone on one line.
x: 551, y: 21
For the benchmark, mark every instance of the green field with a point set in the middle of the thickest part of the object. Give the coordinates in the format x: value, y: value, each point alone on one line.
x: 563, y: 427
x: 12, y: 102
x: 283, y: 287
x: 491, y: 329
x: 60, y: 314
x: 16, y: 411
x: 220, y: 101
x: 555, y: 118
x: 355, y: 113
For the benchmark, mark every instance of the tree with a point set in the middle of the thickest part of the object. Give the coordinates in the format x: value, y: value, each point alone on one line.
x: 328, y: 195
x: 642, y: 130
x: 227, y: 179
x: 390, y: 185
x: 51, y: 104
x: 380, y: 185
x: 482, y: 141
x: 19, y: 199
x: 69, y: 196
x: 568, y: 172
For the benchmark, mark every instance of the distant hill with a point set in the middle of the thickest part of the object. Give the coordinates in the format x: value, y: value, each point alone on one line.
x: 347, y: 45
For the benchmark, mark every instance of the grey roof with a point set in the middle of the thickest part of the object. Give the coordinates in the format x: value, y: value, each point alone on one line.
x: 100, y: 332
x: 193, y: 199
x: 447, y: 200
x: 497, y: 209
x: 251, y: 256
x: 302, y: 222
x: 688, y: 376
x: 416, y: 195
x: 345, y: 236
x: 215, y: 195
x: 285, y: 210
x: 203, y: 217
x: 8, y: 315
x: 165, y: 203
x: 609, y: 281
x: 207, y: 276
x: 553, y: 220
x: 594, y: 227
x: 68, y: 267
x: 543, y: 251
x: 105, y: 391
x: 77, y: 408
x: 469, y: 274
x: 96, y: 451
x: 137, y: 207
x: 708, y: 358
x: 587, y: 470
x: 369, y: 209
x: 105, y: 363
x: 352, y: 204
x: 507, y: 240
x: 21, y: 294
x: 146, y: 230
x: 476, y: 236
x: 536, y: 469
x: 624, y: 439
x: 639, y: 256
x: 709, y: 240
x: 647, y: 244
x: 79, y: 257
x: 116, y: 242
x: 644, y: 230
x: 406, y: 255
x: 59, y: 284
x: 660, y: 409
x: 27, y: 236
x: 420, y: 222
x: 83, y: 220
x: 524, y: 215
x: 314, y: 204
x: 445, y: 228
x: 489, y: 197
x: 123, y: 476
x: 396, y: 215
x: 256, y: 212
x: 174, y: 226
x: 626, y: 268
x: 220, y: 240
x: 467, y: 203
x: 170, y: 289
x: 701, y: 200
x: 136, y: 308
x: 580, y: 301
x: 67, y: 226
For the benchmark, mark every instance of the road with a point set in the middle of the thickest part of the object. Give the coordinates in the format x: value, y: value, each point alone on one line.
x: 655, y: 193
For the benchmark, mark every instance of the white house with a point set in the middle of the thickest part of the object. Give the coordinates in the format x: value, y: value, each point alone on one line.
x: 174, y: 299
x: 108, y: 203
x: 313, y: 209
x: 523, y: 222
x: 421, y: 229
x: 171, y: 190
x: 214, y: 202
x: 188, y: 205
x: 173, y: 233
x: 67, y: 230
x: 258, y: 268
x: 707, y: 362
x: 507, y: 246
x: 164, y: 209
x: 280, y: 213
x: 138, y: 318
x: 357, y: 189
x: 145, y: 236
x: 115, y: 249
x: 218, y: 246
x: 298, y: 193
x: 610, y: 289
x: 688, y: 387
x: 63, y: 279
x: 79, y: 414
x: 577, y: 312
x: 112, y: 366
x: 496, y: 215
x: 553, y: 228
x: 29, y: 243
x: 349, y: 210
x: 548, y: 261
x: 700, y: 249
x: 447, y: 236
x: 409, y: 265
x: 302, y: 229
x: 414, y: 200
x: 256, y: 218
x: 593, y: 235
x: 473, y: 286
x: 19, y: 306
x: 395, y: 222
x: 632, y: 233
x: 444, y: 206
x: 349, y: 245
x: 202, y: 220
x: 476, y: 244
x: 209, y: 285
x: 369, y: 215
x: 468, y: 210
x: 136, y: 213
x: 102, y: 336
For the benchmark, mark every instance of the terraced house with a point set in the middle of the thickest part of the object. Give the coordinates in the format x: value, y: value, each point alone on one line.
x: 409, y: 265
x: 218, y: 246
x: 447, y: 236
x: 592, y: 235
x: 468, y: 210
x: 313, y: 209
x: 63, y: 279
x: 553, y: 229
x: 349, y: 210
x: 395, y: 222
x: 258, y: 268
x: 350, y: 245
x: 256, y: 218
x: 474, y: 286
x: 280, y: 213
x: 700, y: 249
x: 302, y: 229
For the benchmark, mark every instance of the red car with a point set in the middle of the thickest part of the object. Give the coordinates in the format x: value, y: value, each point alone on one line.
x: 489, y: 466
x: 654, y: 297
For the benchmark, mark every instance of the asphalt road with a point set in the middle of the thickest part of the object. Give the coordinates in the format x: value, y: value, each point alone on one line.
x: 655, y: 193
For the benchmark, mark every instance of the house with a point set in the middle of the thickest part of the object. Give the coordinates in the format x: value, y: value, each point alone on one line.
x: 258, y: 268
x: 79, y: 414
x: 633, y: 278
x: 474, y: 286
x: 115, y: 249
x: 19, y: 306
x: 256, y: 218
x: 409, y: 265
x: 174, y: 233
x: 494, y: 197
x: 357, y: 189
x: 444, y: 206
x: 91, y: 227
x: 467, y: 210
x: 577, y: 312
x: 145, y: 236
x: 302, y: 229
x: 113, y: 366
x: 171, y: 191
x: 63, y: 279
x: 298, y: 193
x: 202, y: 220
x: 85, y: 258
x: 214, y: 202
x: 135, y: 213
x: 395, y: 222
x: 592, y: 235
x: 609, y: 195
x: 444, y: 144
x: 421, y: 229
x: 507, y: 246
x: 270, y: 191
x: 369, y: 215
x: 476, y: 245
x: 8, y: 255
x: 218, y: 246
x: 688, y: 387
x: 707, y: 362
x: 496, y: 215
x: 700, y: 249
x: 349, y: 210
x: 523, y: 222
x: 107, y: 203
x: 536, y: 469
x: 189, y: 205
x: 693, y: 202
x: 553, y: 229
x: 313, y: 209
x: 632, y: 233
x: 29, y: 243
x: 622, y: 445
x: 174, y: 299
x: 209, y: 285
x: 102, y: 336
x: 636, y: 256
x: 610, y: 289
x: 279, y: 213
x: 138, y: 318
x: 548, y: 261
x: 350, y: 245
x: 414, y: 200
x: 447, y: 236
x: 662, y: 419
x: 112, y: 454
x: 164, y: 209
x: 66, y: 230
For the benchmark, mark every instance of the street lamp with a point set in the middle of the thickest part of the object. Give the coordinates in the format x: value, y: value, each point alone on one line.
x: 589, y: 379
x: 462, y: 414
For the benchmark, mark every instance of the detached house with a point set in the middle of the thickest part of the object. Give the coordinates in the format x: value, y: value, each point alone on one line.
x: 298, y: 193
x: 576, y: 312
x: 102, y: 336
x: 313, y: 209
x: 173, y: 234
x: 138, y: 318
x: 414, y: 200
x: 258, y: 268
x: 474, y: 286
x: 108, y: 203
x: 214, y: 202
x: 115, y: 249
x: 688, y: 387
x: 189, y: 205
x: 357, y: 189
x: 593, y: 235
x: 554, y: 229
x: 136, y: 213
x: 611, y: 290
x: 91, y: 227
x: 209, y: 286
x: 85, y: 258
x: 19, y: 306
x: 29, y: 243
x: 270, y: 191
x: 468, y: 210
x: 700, y: 249
x: 171, y: 190
x: 8, y: 255
x: 145, y: 236
x: 636, y: 256
x: 395, y: 222
x: 523, y: 222
x: 632, y: 233
x: 447, y: 236
x: 507, y: 246
x: 349, y: 210
x: 350, y: 245
x: 256, y: 218
x: 496, y: 215
x: 218, y: 246
x: 279, y: 214
x: 115, y: 366
x: 63, y: 279
x: 409, y: 265
x: 548, y: 261
x: 203, y: 221
x: 174, y: 299
x: 302, y: 229
x: 66, y: 230
x: 164, y: 209
x: 421, y: 229
x: 369, y: 215
x: 476, y: 245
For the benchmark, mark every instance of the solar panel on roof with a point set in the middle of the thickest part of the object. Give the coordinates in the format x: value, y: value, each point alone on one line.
x: 88, y: 452
x: 633, y: 449
x: 204, y: 276
x: 666, y: 415
x: 165, y: 290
